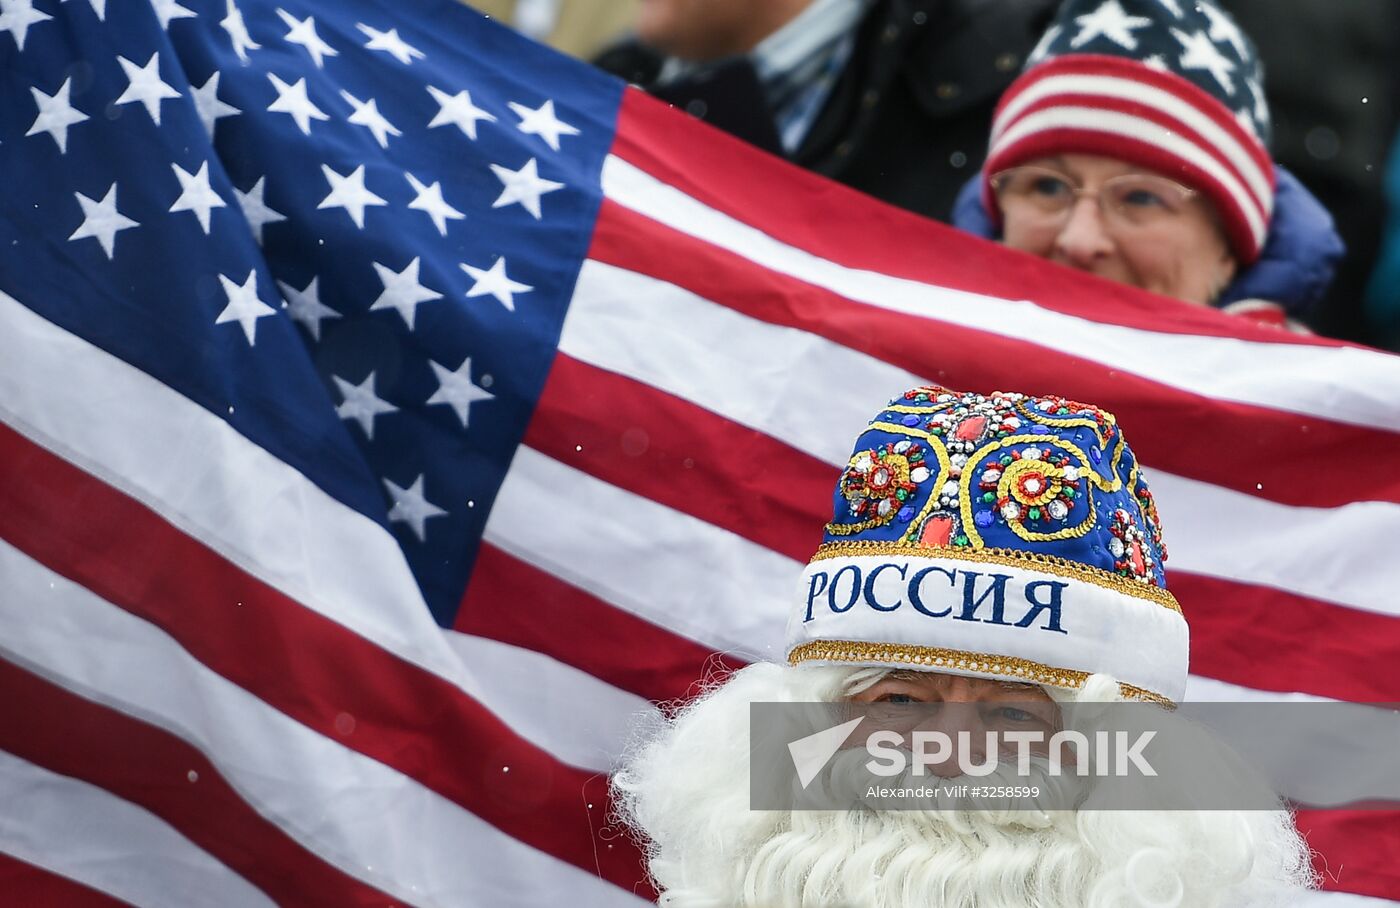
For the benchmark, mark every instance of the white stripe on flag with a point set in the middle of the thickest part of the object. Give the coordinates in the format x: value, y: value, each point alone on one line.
x: 629, y: 324
x: 351, y: 810
x: 1357, y: 390
x: 1335, y: 763
x: 586, y: 721
x: 84, y: 833
x: 1200, y: 689
x: 1278, y: 545
x: 767, y: 377
x: 674, y: 570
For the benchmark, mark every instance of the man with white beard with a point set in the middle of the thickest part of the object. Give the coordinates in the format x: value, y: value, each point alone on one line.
x: 998, y: 558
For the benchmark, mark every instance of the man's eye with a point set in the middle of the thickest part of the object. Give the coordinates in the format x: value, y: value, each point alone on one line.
x: 1012, y: 714
x: 897, y: 698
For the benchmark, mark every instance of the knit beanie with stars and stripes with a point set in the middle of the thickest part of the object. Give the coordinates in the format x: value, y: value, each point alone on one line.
x: 1171, y: 85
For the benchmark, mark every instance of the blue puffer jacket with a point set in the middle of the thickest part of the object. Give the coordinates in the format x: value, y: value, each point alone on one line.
x: 1294, y: 270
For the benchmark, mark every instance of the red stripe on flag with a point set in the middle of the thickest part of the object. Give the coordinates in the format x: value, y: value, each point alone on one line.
x: 796, y: 206
x: 579, y: 629
x: 404, y: 716
x: 1250, y: 635
x: 1274, y: 640
x: 52, y: 727
x: 25, y: 884
x: 684, y: 456
x: 1355, y: 850
x: 1237, y: 446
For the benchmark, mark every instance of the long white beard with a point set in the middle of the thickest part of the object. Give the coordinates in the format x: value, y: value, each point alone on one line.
x: 685, y: 788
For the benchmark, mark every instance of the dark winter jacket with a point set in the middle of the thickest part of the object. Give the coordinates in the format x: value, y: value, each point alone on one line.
x: 1294, y: 270
x: 907, y: 121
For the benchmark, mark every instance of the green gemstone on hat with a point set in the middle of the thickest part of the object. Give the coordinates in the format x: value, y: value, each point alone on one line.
x: 989, y: 497
x: 960, y: 540
x: 1034, y: 513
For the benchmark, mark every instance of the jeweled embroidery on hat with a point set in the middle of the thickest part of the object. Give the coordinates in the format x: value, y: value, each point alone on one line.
x: 878, y: 482
x: 964, y: 470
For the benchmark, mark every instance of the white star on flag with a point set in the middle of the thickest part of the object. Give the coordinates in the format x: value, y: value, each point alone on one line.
x: 361, y: 403
x: 305, y: 306
x: 99, y: 7
x: 55, y: 114
x: 402, y: 291
x: 1199, y: 52
x: 238, y: 32
x: 170, y: 9
x: 206, y: 101
x: 196, y: 194
x: 494, y: 282
x: 367, y: 115
x: 303, y: 32
x: 1042, y: 46
x: 101, y: 220
x: 457, y: 390
x: 523, y: 187
x: 1110, y: 21
x: 144, y: 85
x: 390, y: 43
x: 17, y: 15
x: 256, y: 210
x: 543, y: 123
x: 430, y: 201
x: 349, y: 192
x: 1223, y: 28
x: 411, y: 507
x: 292, y: 100
x: 244, y: 306
x: 1261, y: 107
x: 457, y: 110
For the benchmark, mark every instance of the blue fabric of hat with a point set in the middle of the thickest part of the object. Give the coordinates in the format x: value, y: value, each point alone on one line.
x: 1003, y: 535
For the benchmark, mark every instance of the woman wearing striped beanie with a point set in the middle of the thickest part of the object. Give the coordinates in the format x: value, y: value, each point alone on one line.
x: 1134, y: 146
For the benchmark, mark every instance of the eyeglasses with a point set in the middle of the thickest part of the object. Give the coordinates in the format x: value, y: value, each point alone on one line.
x: 1131, y: 201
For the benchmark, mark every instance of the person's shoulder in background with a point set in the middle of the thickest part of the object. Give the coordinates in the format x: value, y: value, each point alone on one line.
x: 630, y: 59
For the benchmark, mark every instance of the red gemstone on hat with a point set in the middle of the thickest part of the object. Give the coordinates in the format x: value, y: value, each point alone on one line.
x: 1139, y: 565
x: 970, y: 429
x: 937, y: 531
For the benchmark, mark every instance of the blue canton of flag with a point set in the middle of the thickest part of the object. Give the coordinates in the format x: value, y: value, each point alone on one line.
x: 209, y: 190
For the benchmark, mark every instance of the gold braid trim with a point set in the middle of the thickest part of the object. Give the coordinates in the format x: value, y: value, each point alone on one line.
x: 935, y: 657
x: 1049, y: 564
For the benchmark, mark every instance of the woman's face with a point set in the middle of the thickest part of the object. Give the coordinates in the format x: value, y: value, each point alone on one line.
x: 1117, y: 220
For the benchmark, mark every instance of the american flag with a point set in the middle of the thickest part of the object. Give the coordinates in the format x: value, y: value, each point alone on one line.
x: 393, y: 410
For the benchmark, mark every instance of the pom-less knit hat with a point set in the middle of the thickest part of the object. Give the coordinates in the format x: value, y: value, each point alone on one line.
x: 1000, y: 536
x: 1171, y: 85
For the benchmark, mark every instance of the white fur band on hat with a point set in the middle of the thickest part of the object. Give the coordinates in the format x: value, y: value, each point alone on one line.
x: 996, y: 615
